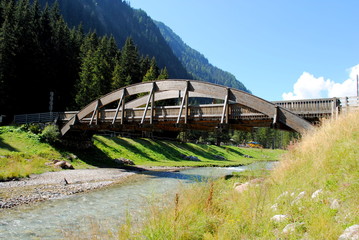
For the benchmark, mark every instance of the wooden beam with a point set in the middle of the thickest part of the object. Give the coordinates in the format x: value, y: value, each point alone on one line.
x: 225, y: 108
x: 119, y: 105
x: 94, y: 112
x: 152, y: 107
x: 184, y: 100
x: 148, y: 103
x: 275, y: 116
x: 123, y: 111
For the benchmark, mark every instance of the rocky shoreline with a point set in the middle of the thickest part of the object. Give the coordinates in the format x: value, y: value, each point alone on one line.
x: 55, y: 185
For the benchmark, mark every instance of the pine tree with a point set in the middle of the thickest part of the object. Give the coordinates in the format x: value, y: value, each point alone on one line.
x: 150, y: 75
x: 163, y: 74
x: 130, y: 63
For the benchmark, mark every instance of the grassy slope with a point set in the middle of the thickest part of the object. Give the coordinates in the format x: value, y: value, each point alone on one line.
x: 167, y: 153
x: 21, y: 153
x: 326, y: 159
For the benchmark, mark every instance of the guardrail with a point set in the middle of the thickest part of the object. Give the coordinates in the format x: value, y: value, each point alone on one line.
x: 310, y: 107
x: 349, y: 103
x: 36, y: 118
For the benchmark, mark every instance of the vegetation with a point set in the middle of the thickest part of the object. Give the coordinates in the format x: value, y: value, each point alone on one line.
x: 325, y: 162
x: 25, y: 150
x: 170, y: 153
x: 39, y: 51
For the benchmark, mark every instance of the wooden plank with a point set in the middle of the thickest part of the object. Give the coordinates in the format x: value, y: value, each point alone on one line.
x: 148, y: 102
x: 225, y: 108
x: 94, y: 112
x: 119, y: 105
x: 184, y: 99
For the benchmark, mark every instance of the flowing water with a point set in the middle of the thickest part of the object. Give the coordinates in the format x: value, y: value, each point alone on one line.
x: 110, y: 206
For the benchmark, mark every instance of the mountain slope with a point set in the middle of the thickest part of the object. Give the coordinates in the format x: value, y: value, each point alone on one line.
x: 117, y: 18
x: 195, y: 63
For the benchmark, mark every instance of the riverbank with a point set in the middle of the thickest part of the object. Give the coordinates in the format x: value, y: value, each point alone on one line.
x: 313, y: 193
x: 53, y: 185
x: 56, y: 185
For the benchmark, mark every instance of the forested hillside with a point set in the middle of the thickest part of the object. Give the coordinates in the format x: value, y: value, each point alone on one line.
x: 197, y: 64
x: 118, y: 19
x: 40, y: 54
x: 79, y: 50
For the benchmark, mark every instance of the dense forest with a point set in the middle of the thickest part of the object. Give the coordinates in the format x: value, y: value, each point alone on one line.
x: 40, y: 54
x: 196, y: 64
x: 118, y: 19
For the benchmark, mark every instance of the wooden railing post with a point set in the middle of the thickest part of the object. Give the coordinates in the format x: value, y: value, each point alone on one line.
x: 225, y: 111
x: 150, y: 99
x: 122, y: 99
x: 184, y: 103
x: 95, y: 112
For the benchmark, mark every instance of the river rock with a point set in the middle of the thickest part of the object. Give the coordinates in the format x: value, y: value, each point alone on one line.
x: 351, y: 233
x: 335, y: 204
x: 279, y: 218
x: 291, y: 227
x: 124, y: 161
x: 63, y: 164
x: 316, y: 194
x: 298, y: 198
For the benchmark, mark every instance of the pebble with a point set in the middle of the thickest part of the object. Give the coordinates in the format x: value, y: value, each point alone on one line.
x: 55, y: 185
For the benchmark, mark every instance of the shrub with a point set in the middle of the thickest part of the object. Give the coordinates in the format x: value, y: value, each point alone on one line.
x: 50, y: 134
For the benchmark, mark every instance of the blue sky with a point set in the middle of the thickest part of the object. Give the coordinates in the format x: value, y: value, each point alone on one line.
x: 279, y: 49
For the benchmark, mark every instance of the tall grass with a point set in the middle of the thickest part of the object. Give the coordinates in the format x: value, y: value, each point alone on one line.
x: 326, y: 159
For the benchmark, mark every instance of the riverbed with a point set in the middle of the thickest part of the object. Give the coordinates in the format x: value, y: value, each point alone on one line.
x: 55, y: 218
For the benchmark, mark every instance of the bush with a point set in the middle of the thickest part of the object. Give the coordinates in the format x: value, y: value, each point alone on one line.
x: 50, y: 134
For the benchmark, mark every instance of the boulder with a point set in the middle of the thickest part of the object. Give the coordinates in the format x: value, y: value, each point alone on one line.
x: 351, y: 233
x: 124, y: 161
x: 279, y: 218
x: 316, y: 194
x: 63, y: 164
x: 290, y: 228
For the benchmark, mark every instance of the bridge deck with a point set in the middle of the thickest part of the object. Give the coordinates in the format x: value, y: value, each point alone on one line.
x: 239, y: 110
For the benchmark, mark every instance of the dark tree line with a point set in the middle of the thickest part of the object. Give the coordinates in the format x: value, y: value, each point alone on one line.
x: 40, y: 54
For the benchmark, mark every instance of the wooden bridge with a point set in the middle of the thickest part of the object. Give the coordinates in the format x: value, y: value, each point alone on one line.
x: 123, y: 110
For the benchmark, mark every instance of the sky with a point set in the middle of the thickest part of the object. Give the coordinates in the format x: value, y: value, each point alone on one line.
x: 279, y: 49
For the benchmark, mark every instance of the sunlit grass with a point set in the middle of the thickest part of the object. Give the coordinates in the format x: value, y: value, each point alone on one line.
x: 326, y: 159
x: 168, y: 153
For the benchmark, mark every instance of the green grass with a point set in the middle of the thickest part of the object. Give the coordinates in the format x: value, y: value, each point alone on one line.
x: 326, y: 159
x: 168, y: 153
x: 22, y: 153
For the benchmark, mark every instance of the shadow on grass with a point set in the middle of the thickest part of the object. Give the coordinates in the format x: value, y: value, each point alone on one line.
x: 7, y: 146
x: 163, y: 148
x: 129, y: 147
x: 92, y: 156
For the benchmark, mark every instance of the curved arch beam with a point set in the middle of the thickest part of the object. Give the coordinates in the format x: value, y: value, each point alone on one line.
x: 195, y: 88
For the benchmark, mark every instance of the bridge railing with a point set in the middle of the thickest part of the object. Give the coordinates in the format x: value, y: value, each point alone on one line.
x: 305, y: 108
x: 36, y: 118
x: 311, y: 106
x: 349, y: 103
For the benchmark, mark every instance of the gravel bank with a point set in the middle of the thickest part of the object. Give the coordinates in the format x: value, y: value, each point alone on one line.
x: 53, y: 185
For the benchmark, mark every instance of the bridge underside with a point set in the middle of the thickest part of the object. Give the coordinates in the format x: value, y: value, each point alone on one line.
x: 123, y: 111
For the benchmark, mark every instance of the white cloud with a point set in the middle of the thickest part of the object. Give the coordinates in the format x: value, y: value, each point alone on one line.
x: 309, y: 86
